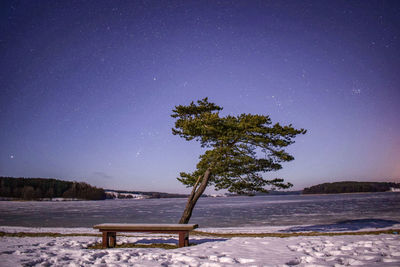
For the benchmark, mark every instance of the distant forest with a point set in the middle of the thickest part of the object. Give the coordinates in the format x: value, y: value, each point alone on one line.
x: 350, y: 187
x: 42, y: 188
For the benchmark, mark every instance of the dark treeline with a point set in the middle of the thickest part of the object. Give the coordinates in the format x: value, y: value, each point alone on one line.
x: 39, y: 188
x: 350, y: 187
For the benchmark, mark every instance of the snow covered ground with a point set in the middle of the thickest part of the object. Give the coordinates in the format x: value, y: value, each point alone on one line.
x: 367, y: 250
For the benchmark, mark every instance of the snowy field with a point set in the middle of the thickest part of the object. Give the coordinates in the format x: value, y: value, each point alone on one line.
x: 367, y: 250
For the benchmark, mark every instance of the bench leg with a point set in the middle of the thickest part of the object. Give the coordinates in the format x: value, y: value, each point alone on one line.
x: 183, y: 239
x: 109, y: 239
x: 112, y: 239
x: 104, y: 242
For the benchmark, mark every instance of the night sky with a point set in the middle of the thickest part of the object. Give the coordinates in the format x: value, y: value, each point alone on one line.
x: 87, y: 87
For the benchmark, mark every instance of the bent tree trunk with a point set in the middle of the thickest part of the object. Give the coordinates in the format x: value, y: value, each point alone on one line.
x: 194, y: 196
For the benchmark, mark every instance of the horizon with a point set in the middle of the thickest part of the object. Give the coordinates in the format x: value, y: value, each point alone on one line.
x: 88, y: 87
x: 210, y: 192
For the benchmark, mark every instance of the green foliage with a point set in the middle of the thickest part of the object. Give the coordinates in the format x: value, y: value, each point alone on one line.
x: 349, y: 187
x: 37, y: 188
x: 240, y: 148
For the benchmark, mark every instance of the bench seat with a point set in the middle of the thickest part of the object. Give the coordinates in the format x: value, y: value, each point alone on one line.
x: 110, y: 230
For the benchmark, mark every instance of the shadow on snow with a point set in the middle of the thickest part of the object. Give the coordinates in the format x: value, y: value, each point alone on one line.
x: 175, y: 241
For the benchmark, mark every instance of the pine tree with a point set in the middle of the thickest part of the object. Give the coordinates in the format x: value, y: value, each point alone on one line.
x: 240, y: 149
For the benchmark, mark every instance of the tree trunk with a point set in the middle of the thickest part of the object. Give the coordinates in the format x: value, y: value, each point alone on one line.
x: 194, y: 196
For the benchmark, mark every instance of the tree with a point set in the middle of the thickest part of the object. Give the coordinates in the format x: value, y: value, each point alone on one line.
x: 240, y: 149
x: 28, y: 192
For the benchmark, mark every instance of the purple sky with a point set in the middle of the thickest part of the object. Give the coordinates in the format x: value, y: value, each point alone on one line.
x: 87, y: 87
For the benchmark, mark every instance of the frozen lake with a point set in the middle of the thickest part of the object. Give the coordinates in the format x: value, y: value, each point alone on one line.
x: 209, y: 212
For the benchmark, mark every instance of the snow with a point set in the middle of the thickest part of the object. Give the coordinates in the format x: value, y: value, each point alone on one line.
x: 344, y: 250
x: 116, y: 195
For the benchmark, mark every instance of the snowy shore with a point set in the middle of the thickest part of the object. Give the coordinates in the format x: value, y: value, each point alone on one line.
x: 344, y: 250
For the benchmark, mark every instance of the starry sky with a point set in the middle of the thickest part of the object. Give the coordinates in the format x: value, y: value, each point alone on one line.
x: 87, y: 87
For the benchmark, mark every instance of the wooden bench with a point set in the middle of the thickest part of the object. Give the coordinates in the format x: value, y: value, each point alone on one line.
x: 110, y: 231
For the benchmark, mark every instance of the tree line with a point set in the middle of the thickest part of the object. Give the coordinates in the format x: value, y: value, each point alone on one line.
x: 43, y: 188
x: 350, y: 187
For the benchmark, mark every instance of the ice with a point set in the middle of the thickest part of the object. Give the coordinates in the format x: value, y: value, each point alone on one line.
x: 298, y: 212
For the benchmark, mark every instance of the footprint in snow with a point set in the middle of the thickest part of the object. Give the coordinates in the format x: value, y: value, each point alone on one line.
x: 7, y: 252
x: 293, y: 262
x: 99, y: 255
